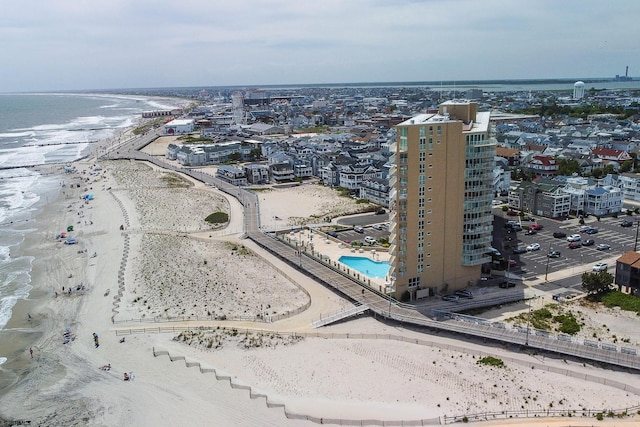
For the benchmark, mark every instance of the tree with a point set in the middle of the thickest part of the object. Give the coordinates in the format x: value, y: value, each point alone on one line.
x: 597, y: 173
x: 568, y: 167
x: 597, y: 283
x: 626, y: 166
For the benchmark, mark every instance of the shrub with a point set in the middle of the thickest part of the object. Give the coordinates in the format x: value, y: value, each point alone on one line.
x: 217, y: 218
x: 491, y: 361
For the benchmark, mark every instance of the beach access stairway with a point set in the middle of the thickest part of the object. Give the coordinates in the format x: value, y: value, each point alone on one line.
x: 351, y: 311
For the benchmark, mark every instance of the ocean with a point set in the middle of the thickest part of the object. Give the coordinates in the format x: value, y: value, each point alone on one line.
x: 38, y: 129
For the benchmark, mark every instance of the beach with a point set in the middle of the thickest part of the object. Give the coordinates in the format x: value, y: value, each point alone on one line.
x: 158, y: 265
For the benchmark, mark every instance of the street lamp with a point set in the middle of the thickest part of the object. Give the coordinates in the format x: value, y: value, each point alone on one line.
x: 635, y: 245
x: 526, y: 341
x: 546, y: 272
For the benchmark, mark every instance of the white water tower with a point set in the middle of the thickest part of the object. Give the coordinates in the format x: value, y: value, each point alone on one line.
x: 578, y: 90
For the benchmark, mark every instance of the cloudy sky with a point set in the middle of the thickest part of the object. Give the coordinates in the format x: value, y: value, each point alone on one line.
x: 74, y: 44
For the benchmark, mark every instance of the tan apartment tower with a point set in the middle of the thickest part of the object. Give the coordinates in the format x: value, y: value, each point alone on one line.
x: 441, y: 188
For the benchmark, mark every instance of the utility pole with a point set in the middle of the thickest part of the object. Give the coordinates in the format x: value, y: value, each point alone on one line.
x: 546, y: 272
x: 526, y: 341
x: 635, y: 245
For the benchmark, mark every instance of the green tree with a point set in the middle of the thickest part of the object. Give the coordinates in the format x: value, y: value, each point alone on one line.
x: 597, y: 173
x: 568, y: 167
x: 597, y: 283
x: 626, y: 166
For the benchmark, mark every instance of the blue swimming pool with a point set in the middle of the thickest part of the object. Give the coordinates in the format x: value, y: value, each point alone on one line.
x: 366, y: 266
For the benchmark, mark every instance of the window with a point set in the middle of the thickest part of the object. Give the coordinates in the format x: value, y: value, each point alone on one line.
x: 421, y: 179
x: 420, y: 191
x: 421, y: 168
x: 421, y: 202
x: 439, y: 131
x: 422, y: 156
x: 423, y: 143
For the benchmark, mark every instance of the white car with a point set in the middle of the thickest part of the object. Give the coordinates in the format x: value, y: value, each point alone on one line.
x: 601, y: 266
x: 370, y: 240
x: 533, y: 247
x: 574, y: 238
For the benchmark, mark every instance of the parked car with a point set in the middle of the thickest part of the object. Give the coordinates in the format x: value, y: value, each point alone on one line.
x: 512, y: 213
x: 494, y: 252
x: 574, y: 238
x: 591, y: 231
x: 603, y: 247
x: 517, y: 251
x: 553, y: 254
x: 626, y: 223
x: 601, y: 266
x: 358, y: 229
x: 531, y: 232
x: 464, y: 293
x: 507, y: 284
x: 536, y: 227
x: 574, y: 245
x: 380, y: 211
x: 588, y: 242
x: 370, y: 240
x: 332, y: 234
x: 559, y: 235
x: 533, y: 247
x: 377, y: 226
x: 450, y: 298
x: 513, y: 263
x: 528, y: 218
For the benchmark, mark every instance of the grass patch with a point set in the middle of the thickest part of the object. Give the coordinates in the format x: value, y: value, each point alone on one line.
x: 174, y: 181
x: 624, y: 301
x: 217, y: 218
x: 568, y: 323
x: 491, y: 361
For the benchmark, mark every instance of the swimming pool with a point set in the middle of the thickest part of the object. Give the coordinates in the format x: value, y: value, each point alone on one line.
x: 366, y: 266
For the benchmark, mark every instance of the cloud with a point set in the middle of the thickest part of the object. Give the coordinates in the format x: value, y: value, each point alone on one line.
x: 74, y: 45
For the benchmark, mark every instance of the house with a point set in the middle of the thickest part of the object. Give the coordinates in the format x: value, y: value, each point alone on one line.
x: 541, y: 198
x: 603, y: 200
x: 256, y: 173
x: 543, y: 166
x: 375, y: 190
x: 232, y: 175
x: 630, y: 183
x: 282, y: 172
x: 178, y: 127
x: 627, y: 275
x: 611, y: 154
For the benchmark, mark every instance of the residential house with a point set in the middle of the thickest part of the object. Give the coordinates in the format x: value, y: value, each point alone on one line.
x: 256, y: 173
x: 628, y: 272
x: 232, y: 175
x: 542, y: 166
x: 375, y: 190
x: 541, y: 198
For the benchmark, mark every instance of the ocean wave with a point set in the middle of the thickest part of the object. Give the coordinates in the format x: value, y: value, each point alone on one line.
x: 16, y: 134
x: 3, y: 360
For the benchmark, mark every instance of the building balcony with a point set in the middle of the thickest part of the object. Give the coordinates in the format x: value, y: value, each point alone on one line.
x: 469, y: 261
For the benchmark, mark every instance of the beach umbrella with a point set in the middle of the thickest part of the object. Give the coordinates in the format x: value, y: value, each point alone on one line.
x: 70, y: 228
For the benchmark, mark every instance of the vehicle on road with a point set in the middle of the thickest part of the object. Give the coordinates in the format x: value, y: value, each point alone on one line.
x: 559, y: 235
x: 380, y: 211
x: 517, y: 251
x: 553, y: 254
x: 464, y: 293
x: 533, y: 247
x: 507, y: 284
x: 603, y: 247
x: 574, y: 245
x: 528, y: 218
x: 494, y: 252
x: 370, y: 240
x: 574, y: 238
x: 332, y: 234
x: 600, y: 266
x: 450, y: 298
x: 358, y: 229
x: 591, y: 231
x: 536, y: 227
x: 626, y: 223
x: 588, y: 242
x: 531, y: 232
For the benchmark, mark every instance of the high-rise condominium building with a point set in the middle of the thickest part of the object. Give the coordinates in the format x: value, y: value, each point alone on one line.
x: 441, y: 188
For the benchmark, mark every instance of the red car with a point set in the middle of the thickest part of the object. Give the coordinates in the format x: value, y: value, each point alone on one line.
x: 574, y: 245
x: 512, y: 213
x: 535, y: 227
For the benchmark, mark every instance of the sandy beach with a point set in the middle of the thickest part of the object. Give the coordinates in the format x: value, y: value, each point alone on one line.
x: 169, y: 268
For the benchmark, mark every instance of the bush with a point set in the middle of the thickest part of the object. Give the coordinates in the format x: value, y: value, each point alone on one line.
x: 491, y: 361
x: 568, y: 323
x: 217, y: 218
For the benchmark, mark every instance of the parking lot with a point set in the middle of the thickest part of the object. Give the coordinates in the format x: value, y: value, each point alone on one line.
x: 377, y: 231
x: 534, y: 263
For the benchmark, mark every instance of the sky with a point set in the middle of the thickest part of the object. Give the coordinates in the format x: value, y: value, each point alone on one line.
x: 82, y: 45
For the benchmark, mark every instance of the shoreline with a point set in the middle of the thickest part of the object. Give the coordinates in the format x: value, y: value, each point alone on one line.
x: 63, y: 385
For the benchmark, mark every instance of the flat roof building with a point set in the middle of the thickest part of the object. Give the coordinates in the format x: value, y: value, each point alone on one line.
x: 441, y: 188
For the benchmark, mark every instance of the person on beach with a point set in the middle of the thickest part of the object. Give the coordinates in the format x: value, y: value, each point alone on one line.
x: 31, y: 352
x: 126, y: 376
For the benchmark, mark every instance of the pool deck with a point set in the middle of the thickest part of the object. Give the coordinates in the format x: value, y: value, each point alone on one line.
x: 333, y: 249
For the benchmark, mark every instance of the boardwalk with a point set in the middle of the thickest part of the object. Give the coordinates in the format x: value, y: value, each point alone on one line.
x: 378, y: 303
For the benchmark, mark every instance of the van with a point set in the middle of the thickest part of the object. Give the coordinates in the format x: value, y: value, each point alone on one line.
x: 358, y: 229
x: 370, y: 240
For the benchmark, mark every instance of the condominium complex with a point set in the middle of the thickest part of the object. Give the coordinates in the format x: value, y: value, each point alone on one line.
x: 441, y: 191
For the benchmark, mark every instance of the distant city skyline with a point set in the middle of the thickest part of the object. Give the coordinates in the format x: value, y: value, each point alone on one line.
x: 67, y: 45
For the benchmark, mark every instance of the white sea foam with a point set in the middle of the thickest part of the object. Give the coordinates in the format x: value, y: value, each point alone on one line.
x: 16, y: 134
x: 3, y: 360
